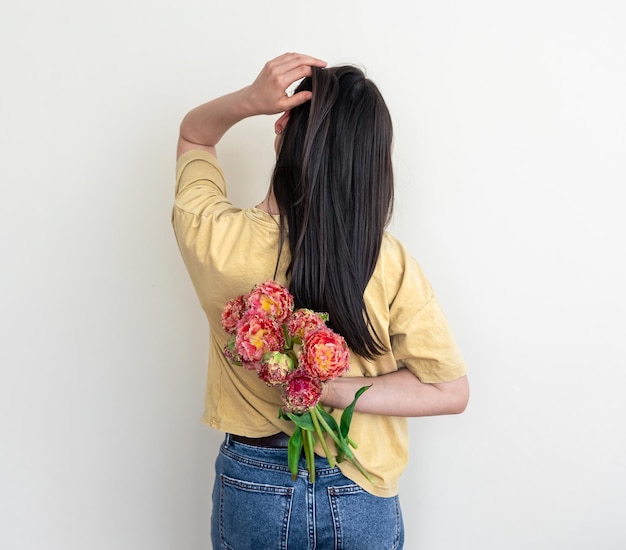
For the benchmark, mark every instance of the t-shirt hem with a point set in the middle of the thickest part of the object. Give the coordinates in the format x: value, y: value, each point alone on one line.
x: 447, y: 375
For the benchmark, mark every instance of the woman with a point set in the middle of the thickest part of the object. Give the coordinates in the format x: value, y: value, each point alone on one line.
x: 321, y: 231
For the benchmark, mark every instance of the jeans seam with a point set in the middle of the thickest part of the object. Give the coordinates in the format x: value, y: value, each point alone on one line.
x: 264, y: 465
x: 398, y: 543
x: 335, y: 517
x: 311, y: 520
x: 255, y: 463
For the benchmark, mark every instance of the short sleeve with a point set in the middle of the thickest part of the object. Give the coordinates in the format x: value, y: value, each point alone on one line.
x: 200, y: 185
x: 421, y: 339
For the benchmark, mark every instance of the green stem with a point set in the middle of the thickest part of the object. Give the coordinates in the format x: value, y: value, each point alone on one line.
x: 340, y: 447
x: 326, y: 427
x: 293, y: 357
x: 360, y: 468
x: 309, y: 454
x: 320, y: 436
x: 341, y: 452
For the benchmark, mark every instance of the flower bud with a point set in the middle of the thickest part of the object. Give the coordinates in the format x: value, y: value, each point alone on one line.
x: 275, y: 368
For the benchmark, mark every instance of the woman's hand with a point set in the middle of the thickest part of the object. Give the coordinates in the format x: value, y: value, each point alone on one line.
x: 267, y: 94
x: 205, y: 125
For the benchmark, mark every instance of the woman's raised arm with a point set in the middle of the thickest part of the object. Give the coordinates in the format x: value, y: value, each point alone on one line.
x: 204, y: 126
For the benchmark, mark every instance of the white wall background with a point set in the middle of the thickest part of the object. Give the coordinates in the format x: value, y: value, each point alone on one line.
x: 510, y: 139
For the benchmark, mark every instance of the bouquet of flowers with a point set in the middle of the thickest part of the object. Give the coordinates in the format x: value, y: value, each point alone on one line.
x: 297, y: 351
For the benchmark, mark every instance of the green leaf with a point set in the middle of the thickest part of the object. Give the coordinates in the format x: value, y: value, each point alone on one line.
x: 303, y: 421
x: 346, y: 417
x: 323, y: 316
x: 294, y: 450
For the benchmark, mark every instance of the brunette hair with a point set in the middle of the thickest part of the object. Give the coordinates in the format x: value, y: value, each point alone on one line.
x: 333, y: 183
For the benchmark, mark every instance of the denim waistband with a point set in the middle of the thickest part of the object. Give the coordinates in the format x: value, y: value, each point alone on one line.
x: 272, y: 456
x: 277, y: 441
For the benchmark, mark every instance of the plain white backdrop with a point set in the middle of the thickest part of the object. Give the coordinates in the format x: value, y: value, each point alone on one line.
x: 510, y: 136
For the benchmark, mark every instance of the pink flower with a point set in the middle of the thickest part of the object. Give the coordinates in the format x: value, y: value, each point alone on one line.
x: 301, y: 393
x: 302, y: 322
x: 275, y: 368
x: 324, y: 354
x: 271, y: 298
x: 232, y: 313
x: 256, y: 335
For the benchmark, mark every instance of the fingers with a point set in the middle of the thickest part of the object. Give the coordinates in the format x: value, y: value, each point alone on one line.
x: 291, y: 67
x: 289, y: 61
x: 297, y: 99
x: 268, y: 92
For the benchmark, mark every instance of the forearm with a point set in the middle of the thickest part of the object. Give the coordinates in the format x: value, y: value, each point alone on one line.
x: 207, y: 123
x: 398, y: 394
x: 204, y: 126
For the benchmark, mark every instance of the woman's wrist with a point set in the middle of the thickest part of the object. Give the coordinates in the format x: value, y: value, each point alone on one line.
x: 243, y: 104
x: 338, y: 393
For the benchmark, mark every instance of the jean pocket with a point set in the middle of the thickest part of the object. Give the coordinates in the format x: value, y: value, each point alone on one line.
x: 362, y: 520
x: 253, y: 515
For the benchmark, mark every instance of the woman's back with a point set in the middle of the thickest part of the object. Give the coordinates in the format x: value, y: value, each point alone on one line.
x: 228, y: 250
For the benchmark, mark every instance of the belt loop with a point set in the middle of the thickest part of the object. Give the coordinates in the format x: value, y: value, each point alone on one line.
x: 227, y: 440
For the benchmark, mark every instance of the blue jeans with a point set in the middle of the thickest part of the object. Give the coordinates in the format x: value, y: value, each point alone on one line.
x: 257, y: 506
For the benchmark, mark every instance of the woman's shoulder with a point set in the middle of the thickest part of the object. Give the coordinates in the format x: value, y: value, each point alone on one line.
x: 393, y: 253
x: 391, y: 242
x: 398, y: 270
x: 200, y: 184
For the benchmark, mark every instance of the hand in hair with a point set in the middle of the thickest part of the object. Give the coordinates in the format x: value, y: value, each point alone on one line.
x: 204, y: 126
x: 267, y: 94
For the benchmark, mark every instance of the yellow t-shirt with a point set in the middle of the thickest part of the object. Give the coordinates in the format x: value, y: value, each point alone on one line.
x: 227, y: 250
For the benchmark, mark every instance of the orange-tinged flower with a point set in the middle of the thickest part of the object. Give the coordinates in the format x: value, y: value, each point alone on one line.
x: 302, y: 322
x: 256, y: 335
x: 270, y: 298
x: 325, y: 354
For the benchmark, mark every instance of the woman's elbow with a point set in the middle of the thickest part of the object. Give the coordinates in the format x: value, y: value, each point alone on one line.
x: 459, y: 396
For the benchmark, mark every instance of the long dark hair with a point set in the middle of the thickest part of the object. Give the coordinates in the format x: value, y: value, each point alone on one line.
x: 333, y: 183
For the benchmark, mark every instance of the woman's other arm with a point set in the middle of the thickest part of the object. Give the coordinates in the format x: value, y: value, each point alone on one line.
x: 398, y: 393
